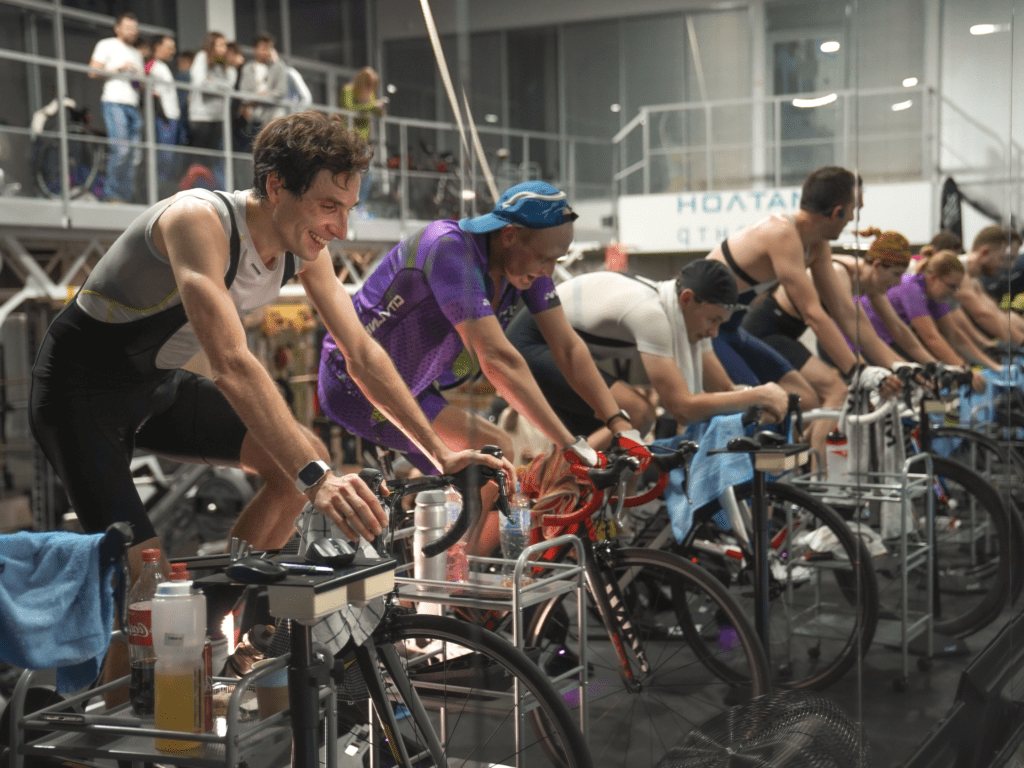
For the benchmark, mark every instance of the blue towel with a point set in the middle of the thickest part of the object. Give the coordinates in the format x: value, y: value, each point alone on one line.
x: 710, y: 476
x: 55, y: 608
x: 975, y: 408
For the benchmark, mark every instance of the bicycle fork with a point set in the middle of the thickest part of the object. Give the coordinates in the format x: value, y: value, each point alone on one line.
x: 606, y: 592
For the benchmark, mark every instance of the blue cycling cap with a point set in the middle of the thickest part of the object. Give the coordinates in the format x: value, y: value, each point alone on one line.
x: 532, y: 204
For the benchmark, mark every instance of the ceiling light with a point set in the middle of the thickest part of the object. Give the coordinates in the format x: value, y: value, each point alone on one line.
x: 819, y: 102
x: 615, y: 107
x: 830, y: 46
x: 988, y: 29
x: 909, y: 82
x: 468, y: 194
x: 491, y: 118
x: 392, y: 88
x: 900, y: 106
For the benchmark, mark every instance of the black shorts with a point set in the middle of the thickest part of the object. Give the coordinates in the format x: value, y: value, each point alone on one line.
x: 88, y: 426
x: 779, y: 330
x: 571, y: 409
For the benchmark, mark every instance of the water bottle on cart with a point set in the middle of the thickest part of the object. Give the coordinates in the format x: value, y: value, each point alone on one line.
x: 179, y: 637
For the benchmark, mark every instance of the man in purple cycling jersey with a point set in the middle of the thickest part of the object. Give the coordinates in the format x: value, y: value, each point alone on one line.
x: 442, y: 298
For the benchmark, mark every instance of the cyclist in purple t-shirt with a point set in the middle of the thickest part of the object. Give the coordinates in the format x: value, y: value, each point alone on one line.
x: 920, y: 302
x: 441, y: 299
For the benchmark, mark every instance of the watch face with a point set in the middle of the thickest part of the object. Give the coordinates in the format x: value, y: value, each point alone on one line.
x: 312, y: 472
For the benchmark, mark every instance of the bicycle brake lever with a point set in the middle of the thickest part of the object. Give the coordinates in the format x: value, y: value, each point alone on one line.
x: 793, y: 410
x: 768, y: 439
x: 374, y: 479
x: 743, y: 444
x: 469, y: 480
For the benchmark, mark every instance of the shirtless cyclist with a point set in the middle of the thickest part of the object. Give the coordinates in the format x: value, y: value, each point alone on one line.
x: 782, y: 250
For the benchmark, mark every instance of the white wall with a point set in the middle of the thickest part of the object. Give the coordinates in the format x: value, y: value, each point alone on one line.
x: 980, y: 74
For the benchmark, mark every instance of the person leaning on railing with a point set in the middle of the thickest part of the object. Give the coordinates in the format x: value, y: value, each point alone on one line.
x: 120, y: 104
x: 166, y: 112
x: 210, y: 69
x: 360, y: 95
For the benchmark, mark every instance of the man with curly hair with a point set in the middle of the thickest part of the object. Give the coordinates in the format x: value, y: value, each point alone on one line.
x: 109, y: 375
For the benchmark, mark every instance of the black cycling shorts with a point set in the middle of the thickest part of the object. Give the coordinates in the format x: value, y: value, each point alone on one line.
x: 88, y: 426
x: 571, y: 409
x: 779, y: 330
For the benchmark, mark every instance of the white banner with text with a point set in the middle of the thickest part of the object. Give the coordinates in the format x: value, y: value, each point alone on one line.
x: 698, y: 221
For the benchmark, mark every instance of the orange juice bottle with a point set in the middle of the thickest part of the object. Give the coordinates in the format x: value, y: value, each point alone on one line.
x: 179, y: 634
x: 178, y: 704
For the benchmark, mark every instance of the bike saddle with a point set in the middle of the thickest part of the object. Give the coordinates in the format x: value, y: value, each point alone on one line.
x: 332, y: 552
x: 768, y: 439
x: 743, y: 444
x: 256, y: 570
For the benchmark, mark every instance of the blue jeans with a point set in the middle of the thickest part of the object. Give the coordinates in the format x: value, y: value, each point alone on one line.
x: 364, y: 189
x: 168, y: 163
x: 124, y: 124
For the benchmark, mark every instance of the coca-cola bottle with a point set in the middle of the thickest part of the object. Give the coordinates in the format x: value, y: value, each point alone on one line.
x: 140, y: 636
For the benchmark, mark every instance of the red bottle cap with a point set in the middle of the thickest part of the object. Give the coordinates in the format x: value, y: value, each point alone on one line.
x: 179, y: 574
x: 151, y: 555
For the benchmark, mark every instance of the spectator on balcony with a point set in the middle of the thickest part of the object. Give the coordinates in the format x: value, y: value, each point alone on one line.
x: 360, y: 95
x: 166, y: 113
x: 120, y: 104
x: 212, y: 71
x: 145, y: 48
x: 182, y: 75
x: 265, y: 76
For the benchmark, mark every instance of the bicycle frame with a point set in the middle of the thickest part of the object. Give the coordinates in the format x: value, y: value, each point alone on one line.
x: 606, y: 591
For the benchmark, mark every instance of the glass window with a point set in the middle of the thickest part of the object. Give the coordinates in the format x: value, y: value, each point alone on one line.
x: 156, y: 12
x: 329, y: 30
x: 653, y: 58
x: 533, y: 80
x: 255, y: 16
x: 409, y: 67
x: 878, y: 23
x: 533, y: 92
x: 592, y: 78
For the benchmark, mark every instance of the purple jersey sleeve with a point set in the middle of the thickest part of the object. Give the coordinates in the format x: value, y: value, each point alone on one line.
x: 453, y: 266
x: 910, y: 300
x: 541, y: 295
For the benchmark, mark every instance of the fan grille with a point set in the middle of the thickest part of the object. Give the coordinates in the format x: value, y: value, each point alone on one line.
x: 794, y: 729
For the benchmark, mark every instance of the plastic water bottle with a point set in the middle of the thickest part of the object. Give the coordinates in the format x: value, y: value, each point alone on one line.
x: 458, y: 564
x: 179, y: 635
x: 837, y: 457
x: 429, y: 518
x: 140, y: 634
x: 515, y: 536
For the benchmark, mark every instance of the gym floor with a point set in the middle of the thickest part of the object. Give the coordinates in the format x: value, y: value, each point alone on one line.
x: 895, y: 722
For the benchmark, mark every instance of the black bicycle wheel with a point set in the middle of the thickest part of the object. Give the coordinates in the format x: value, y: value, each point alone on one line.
x: 681, y: 616
x: 823, y: 591
x: 974, y: 550
x: 1002, y: 465
x: 464, y: 676
x: 85, y: 161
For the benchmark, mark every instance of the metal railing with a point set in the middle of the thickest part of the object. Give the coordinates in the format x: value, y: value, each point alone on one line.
x: 889, y: 134
x: 420, y: 170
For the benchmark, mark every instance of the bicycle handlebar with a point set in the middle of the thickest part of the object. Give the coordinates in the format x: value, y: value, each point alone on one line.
x: 469, y: 481
x: 619, y: 464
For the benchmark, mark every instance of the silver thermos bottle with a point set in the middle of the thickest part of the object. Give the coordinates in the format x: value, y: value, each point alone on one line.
x: 430, y: 518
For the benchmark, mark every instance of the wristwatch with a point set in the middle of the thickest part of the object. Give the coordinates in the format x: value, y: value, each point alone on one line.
x: 311, y: 474
x: 620, y: 413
